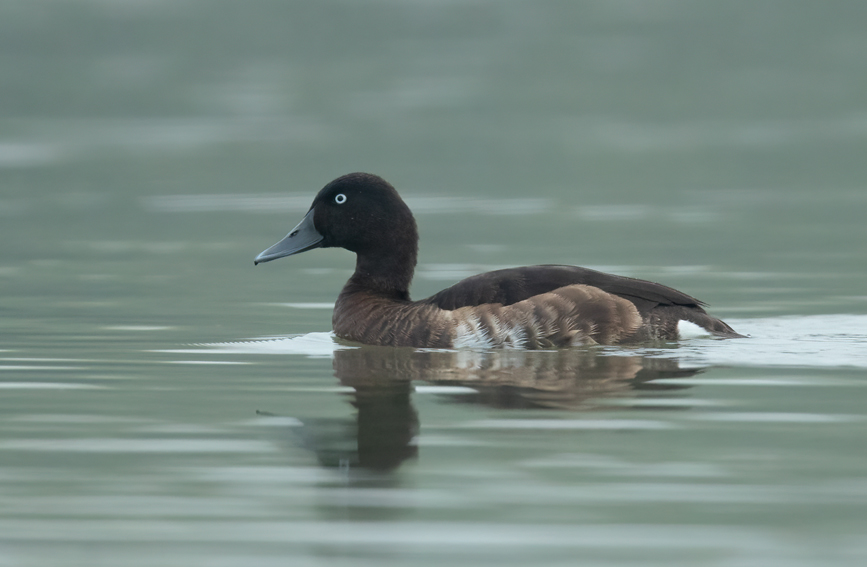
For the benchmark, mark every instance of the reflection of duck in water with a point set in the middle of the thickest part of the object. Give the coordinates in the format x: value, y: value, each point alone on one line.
x: 380, y: 438
x: 562, y: 379
x: 530, y: 307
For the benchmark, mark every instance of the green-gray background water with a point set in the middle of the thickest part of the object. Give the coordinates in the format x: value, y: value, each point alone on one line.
x: 150, y: 149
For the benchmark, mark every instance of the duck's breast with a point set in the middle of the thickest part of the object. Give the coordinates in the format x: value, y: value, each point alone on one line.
x: 373, y: 320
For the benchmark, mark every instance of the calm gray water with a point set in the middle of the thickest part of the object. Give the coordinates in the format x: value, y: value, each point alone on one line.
x: 163, y: 402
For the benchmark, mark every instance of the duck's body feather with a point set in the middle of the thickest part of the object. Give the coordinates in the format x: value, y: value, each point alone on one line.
x: 530, y: 307
x: 661, y: 306
x: 567, y: 316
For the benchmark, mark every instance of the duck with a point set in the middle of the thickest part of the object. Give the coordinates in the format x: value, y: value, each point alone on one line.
x: 531, y: 307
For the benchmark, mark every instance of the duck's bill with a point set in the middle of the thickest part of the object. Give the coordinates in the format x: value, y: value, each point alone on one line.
x: 302, y: 238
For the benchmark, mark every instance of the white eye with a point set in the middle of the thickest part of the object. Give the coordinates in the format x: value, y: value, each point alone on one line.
x: 340, y: 198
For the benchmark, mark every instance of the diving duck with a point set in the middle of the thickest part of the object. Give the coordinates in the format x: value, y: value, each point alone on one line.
x: 531, y: 307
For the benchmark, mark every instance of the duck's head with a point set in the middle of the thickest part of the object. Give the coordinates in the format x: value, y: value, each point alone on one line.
x: 360, y: 212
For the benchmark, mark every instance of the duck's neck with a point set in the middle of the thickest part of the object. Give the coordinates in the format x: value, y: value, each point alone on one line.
x: 386, y: 275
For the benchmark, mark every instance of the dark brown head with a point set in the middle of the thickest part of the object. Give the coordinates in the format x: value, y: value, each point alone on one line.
x: 364, y: 214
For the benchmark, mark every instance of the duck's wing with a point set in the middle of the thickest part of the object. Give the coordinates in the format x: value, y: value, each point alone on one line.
x: 517, y: 284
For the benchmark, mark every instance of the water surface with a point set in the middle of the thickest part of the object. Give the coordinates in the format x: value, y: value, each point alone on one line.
x: 164, y: 402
